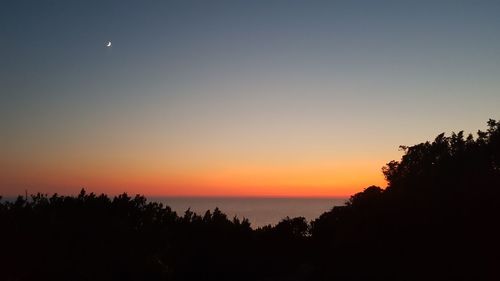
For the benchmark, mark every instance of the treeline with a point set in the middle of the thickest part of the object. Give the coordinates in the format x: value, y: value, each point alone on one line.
x: 90, y: 237
x: 437, y: 219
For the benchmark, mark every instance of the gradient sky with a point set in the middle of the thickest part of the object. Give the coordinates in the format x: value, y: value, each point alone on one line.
x: 235, y: 98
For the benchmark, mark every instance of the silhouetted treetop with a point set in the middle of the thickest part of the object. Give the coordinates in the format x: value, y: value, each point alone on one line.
x: 448, y: 160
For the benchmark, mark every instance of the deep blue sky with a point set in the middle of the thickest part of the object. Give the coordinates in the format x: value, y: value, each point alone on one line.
x: 197, y: 88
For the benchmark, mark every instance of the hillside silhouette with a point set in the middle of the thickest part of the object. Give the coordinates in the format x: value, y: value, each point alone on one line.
x: 437, y: 219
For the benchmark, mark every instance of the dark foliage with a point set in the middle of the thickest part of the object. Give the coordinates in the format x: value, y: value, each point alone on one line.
x: 438, y: 219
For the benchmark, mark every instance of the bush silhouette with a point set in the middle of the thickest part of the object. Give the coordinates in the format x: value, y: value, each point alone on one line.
x: 437, y: 219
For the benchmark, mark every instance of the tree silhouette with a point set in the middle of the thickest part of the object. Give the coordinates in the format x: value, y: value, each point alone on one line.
x: 437, y: 219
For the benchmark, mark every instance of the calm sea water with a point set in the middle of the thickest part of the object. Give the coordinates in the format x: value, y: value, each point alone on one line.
x: 259, y: 211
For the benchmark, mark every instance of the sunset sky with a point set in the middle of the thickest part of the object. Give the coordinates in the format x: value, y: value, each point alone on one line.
x: 237, y: 97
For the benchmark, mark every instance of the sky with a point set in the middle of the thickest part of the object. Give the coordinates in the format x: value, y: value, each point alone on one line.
x: 237, y: 97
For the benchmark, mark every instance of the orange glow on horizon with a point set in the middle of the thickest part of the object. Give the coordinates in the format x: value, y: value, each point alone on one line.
x: 327, y: 180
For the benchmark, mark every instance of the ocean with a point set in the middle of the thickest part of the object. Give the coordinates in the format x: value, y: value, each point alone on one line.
x: 259, y: 211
